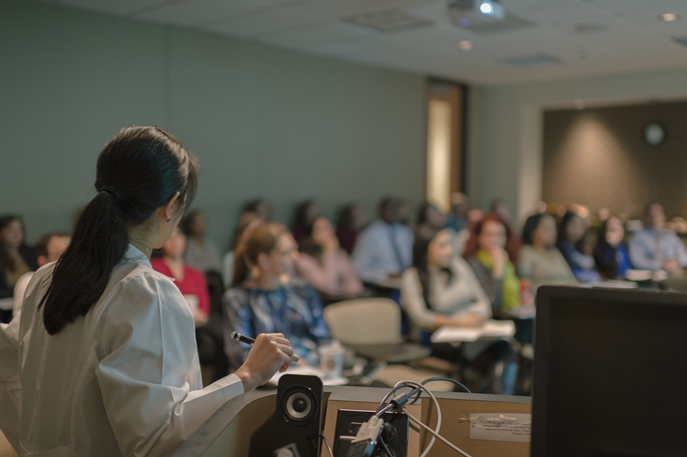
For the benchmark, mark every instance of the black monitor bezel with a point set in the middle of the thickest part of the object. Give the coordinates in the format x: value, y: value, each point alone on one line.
x: 546, y: 295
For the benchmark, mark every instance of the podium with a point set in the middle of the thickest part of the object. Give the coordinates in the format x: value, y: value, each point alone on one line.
x: 239, y: 427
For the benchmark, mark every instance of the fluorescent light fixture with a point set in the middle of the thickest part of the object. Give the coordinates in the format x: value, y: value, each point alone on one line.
x: 388, y: 20
x: 669, y: 17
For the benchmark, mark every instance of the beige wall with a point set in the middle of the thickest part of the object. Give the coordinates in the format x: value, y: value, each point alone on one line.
x: 598, y: 157
x: 264, y: 121
x: 507, y: 128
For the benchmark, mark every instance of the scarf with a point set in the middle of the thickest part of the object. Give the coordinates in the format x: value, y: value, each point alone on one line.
x: 510, y: 297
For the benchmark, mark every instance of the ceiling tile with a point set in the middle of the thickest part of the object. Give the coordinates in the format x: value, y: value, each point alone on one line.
x: 120, y: 7
x: 193, y: 12
x: 264, y: 23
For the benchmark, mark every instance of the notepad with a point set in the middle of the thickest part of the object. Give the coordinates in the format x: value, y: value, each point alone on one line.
x: 491, y: 329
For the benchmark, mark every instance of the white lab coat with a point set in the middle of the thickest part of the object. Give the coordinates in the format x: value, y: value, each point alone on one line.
x: 123, y: 380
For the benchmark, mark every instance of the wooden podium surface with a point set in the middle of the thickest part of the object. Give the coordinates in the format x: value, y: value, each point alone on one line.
x: 247, y: 418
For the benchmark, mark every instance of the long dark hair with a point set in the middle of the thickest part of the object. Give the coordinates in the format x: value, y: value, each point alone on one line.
x: 530, y: 227
x: 604, y: 253
x: 308, y: 245
x: 567, y: 219
x: 423, y: 239
x: 262, y: 241
x: 345, y: 219
x: 6, y: 260
x: 138, y: 171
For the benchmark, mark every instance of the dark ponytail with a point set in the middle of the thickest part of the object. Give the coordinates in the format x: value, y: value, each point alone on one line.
x: 138, y: 171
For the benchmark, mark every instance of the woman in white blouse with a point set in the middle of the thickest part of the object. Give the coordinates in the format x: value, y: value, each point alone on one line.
x: 107, y: 356
x: 441, y: 290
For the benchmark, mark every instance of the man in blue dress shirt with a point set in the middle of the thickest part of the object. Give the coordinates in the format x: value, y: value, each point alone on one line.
x: 384, y: 249
x: 656, y: 248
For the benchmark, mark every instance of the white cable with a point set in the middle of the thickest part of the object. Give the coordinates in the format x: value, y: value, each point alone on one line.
x: 436, y: 434
x: 436, y: 404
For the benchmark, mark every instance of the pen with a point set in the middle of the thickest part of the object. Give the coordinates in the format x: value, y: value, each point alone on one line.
x: 248, y: 340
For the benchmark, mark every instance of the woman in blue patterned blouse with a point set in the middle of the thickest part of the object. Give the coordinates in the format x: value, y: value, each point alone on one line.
x: 265, y: 297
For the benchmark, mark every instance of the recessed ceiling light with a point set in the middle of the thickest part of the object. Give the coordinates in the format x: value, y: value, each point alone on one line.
x: 669, y: 17
x: 465, y: 45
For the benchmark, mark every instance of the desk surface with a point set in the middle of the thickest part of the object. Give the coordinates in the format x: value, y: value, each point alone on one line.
x: 211, y: 438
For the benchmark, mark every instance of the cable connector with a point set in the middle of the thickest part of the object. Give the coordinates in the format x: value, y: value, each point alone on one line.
x: 365, y: 441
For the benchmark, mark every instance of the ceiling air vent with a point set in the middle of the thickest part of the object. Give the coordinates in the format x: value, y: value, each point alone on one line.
x: 387, y: 21
x: 531, y: 60
x: 681, y: 40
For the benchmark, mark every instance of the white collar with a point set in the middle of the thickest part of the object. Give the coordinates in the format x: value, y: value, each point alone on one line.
x: 133, y: 254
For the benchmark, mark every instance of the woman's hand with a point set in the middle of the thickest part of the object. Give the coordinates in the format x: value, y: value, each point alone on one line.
x: 469, y: 320
x: 500, y: 257
x: 271, y: 352
x: 472, y: 320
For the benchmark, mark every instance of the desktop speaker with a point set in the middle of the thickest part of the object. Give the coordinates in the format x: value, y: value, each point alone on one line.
x: 299, y: 416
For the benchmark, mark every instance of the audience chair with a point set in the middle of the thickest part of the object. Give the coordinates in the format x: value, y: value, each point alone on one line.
x: 371, y: 327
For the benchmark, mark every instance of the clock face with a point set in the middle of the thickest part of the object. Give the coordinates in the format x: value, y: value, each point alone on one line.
x: 654, y: 134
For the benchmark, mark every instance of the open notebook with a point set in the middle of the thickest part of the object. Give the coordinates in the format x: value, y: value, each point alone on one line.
x: 491, y: 329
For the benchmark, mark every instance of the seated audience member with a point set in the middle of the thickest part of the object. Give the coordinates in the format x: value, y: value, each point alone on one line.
x: 655, y: 248
x: 258, y: 302
x: 49, y: 248
x: 303, y: 217
x: 610, y: 253
x: 384, y: 249
x: 324, y: 265
x: 350, y: 223
x: 259, y: 206
x: 500, y: 208
x: 441, y: 290
x: 540, y: 262
x: 571, y: 244
x: 245, y: 226
x: 474, y: 215
x: 488, y: 255
x: 429, y: 219
x: 457, y: 218
x: 492, y: 252
x: 190, y: 281
x: 16, y: 259
x: 403, y: 217
x: 201, y: 252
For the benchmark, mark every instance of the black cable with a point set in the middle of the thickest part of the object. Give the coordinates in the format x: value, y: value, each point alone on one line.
x: 439, y: 378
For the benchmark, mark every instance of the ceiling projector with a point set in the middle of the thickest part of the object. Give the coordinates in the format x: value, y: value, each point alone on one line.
x: 468, y: 13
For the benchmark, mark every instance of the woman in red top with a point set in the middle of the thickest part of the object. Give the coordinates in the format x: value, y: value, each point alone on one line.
x: 191, y: 282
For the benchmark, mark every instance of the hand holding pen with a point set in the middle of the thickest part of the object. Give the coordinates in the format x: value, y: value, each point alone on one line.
x: 271, y: 352
x: 248, y: 340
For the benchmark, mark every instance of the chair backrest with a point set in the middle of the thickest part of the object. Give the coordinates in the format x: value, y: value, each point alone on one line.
x: 364, y: 321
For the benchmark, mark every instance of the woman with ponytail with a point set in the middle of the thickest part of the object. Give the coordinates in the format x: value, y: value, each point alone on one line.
x: 106, y: 346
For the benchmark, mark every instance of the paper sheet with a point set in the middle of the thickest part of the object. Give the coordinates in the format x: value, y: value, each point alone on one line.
x: 516, y: 428
x: 492, y: 329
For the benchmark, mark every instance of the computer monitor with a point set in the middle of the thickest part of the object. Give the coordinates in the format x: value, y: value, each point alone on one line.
x: 610, y: 373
